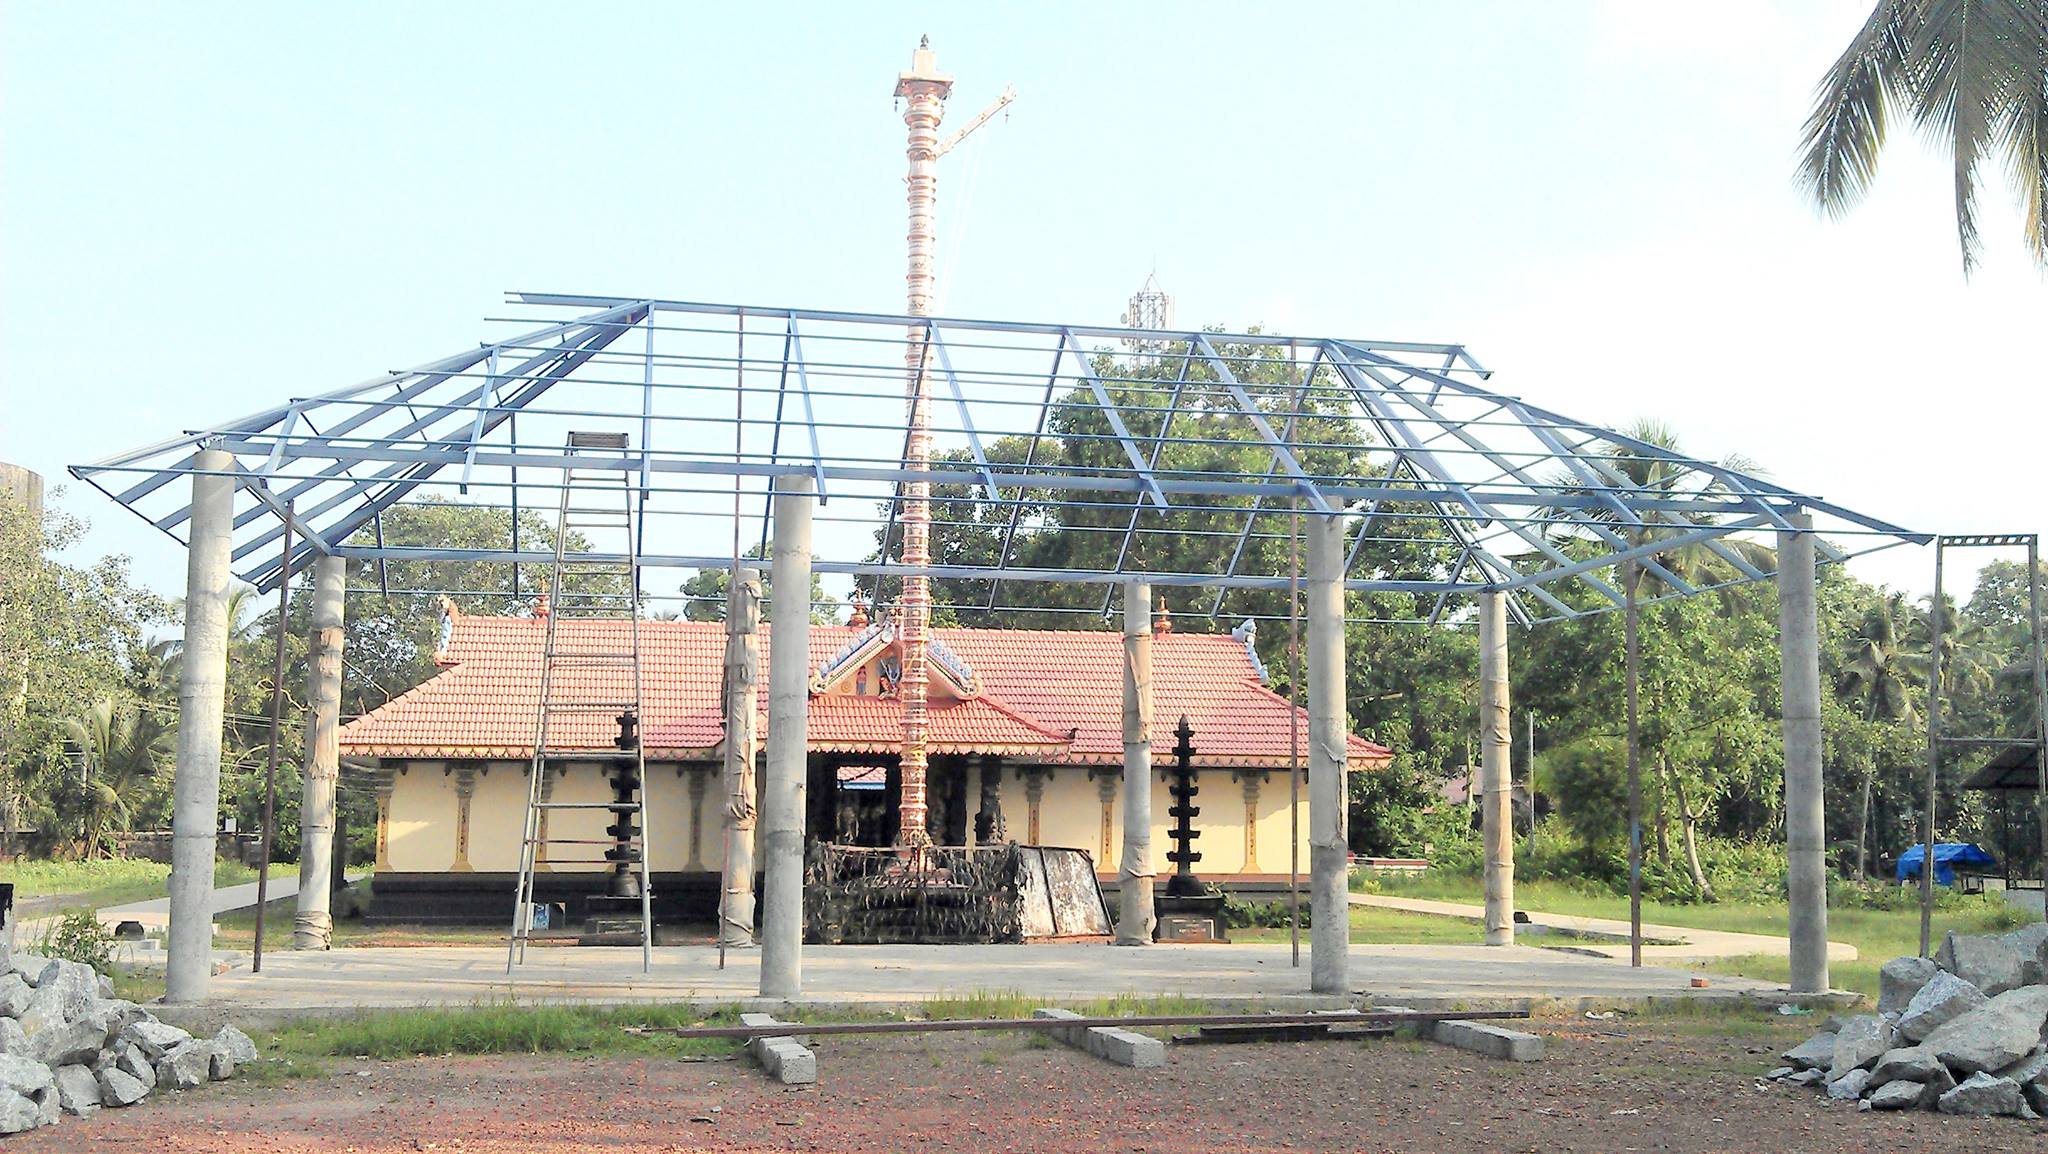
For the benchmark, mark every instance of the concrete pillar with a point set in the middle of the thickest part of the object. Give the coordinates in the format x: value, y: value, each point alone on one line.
x: 1806, y: 880
x: 1328, y: 757
x: 1496, y: 780
x: 783, y: 798
x: 1134, y: 871
x: 737, y: 816
x: 313, y: 923
x: 202, y: 689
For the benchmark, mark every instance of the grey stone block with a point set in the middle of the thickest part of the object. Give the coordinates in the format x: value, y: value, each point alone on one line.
x: 1909, y: 1064
x: 1985, y: 1095
x: 134, y: 1063
x: 1995, y: 1034
x: 1122, y: 1047
x: 14, y: 995
x: 236, y: 1044
x: 1898, y: 1095
x: 1850, y: 1086
x: 1490, y: 1040
x: 1899, y: 980
x: 120, y: 1088
x: 78, y: 1092
x: 1988, y: 962
x: 12, y: 1039
x: 1943, y: 999
x: 1813, y: 1053
x: 155, y: 1038
x: 185, y: 1067
x: 781, y: 1056
x: 18, y: 1112
x: 68, y: 1043
x: 1862, y: 1041
x: 2032, y: 944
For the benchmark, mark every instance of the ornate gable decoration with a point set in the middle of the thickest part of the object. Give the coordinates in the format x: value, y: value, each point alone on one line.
x: 849, y: 666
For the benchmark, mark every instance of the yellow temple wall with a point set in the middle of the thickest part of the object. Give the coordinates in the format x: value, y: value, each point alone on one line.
x: 423, y: 824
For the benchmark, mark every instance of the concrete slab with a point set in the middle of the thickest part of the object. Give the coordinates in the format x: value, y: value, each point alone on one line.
x: 1119, y: 1047
x: 906, y: 976
x: 782, y: 1056
x: 1489, y: 1039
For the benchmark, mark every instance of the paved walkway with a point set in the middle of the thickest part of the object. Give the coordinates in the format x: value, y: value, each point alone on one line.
x: 908, y: 975
x: 1661, y: 943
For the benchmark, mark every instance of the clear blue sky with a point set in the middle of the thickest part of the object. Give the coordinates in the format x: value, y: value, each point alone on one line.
x: 206, y: 209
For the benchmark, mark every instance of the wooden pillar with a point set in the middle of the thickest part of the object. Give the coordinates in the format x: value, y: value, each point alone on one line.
x: 989, y: 826
x: 1252, y: 780
x: 387, y: 781
x: 1108, y: 782
x: 465, y: 790
x: 738, y: 790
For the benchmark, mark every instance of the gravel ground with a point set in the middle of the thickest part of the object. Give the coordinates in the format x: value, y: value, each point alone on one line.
x: 1605, y: 1086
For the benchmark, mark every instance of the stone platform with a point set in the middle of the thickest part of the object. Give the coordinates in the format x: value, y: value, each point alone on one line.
x: 878, y: 976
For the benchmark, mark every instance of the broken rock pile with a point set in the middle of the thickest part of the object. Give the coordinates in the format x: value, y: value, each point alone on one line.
x: 67, y: 1045
x: 1963, y: 1032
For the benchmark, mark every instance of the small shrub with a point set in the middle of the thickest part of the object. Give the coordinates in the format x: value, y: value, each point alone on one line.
x: 79, y: 937
x: 1240, y: 914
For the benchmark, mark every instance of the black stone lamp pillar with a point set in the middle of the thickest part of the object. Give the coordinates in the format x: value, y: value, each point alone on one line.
x: 1184, y: 855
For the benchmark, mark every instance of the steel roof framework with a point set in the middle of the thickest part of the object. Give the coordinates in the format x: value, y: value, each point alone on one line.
x: 1490, y: 491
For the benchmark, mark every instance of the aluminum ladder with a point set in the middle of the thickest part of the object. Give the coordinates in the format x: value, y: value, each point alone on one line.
x: 589, y: 708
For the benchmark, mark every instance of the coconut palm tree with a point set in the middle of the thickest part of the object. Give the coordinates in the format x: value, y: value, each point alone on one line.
x: 121, y: 749
x: 1880, y: 673
x: 1971, y: 74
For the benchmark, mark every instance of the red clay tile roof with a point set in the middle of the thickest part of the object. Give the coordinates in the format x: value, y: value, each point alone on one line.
x: 1054, y: 696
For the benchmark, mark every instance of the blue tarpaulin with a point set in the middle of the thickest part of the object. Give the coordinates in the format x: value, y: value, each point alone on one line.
x: 1947, y: 855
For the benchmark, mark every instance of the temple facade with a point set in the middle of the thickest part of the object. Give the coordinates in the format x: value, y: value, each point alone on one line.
x: 1024, y: 738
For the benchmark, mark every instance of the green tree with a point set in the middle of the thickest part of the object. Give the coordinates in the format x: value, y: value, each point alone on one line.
x: 1970, y: 74
x: 67, y: 634
x: 1880, y: 676
x: 121, y: 750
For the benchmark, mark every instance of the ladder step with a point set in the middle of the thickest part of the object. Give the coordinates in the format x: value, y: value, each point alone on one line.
x: 634, y: 844
x: 592, y: 754
x: 619, y: 806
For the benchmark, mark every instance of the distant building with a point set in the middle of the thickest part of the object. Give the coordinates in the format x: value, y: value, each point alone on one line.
x: 1027, y: 719
x: 24, y: 486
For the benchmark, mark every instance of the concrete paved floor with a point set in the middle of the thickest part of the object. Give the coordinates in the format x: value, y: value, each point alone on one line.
x: 1420, y: 976
x: 1661, y: 943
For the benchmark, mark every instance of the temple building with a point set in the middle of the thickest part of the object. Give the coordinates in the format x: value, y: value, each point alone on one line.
x: 1025, y: 745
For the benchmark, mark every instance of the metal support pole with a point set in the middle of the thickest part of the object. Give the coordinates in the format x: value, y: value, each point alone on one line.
x: 1328, y: 861
x: 1496, y: 817
x: 313, y: 924
x: 783, y: 798
x: 1134, y: 869
x: 1806, y: 880
x: 202, y: 690
x: 2040, y: 709
x: 737, y: 816
x: 269, y: 832
x: 1935, y: 613
x: 1632, y: 645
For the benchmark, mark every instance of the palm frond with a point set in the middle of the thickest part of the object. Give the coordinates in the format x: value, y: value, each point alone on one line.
x: 1845, y: 132
x: 2023, y: 134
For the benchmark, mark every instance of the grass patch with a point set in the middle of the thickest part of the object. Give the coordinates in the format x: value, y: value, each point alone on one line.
x: 1014, y: 1004
x: 108, y: 881
x: 237, y: 931
x: 1878, y: 935
x: 1374, y: 925
x: 498, y: 1029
